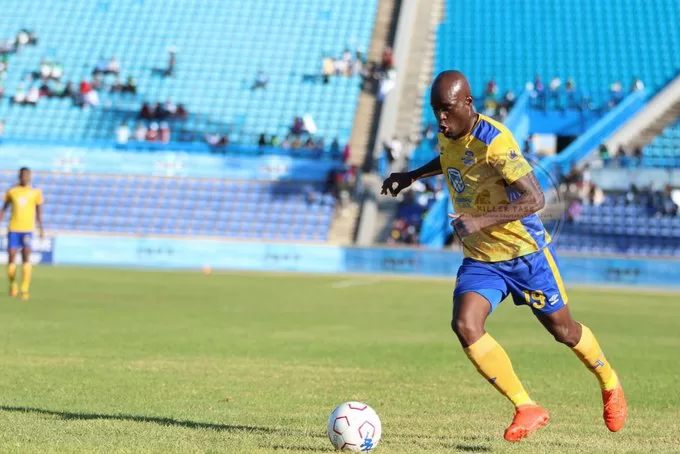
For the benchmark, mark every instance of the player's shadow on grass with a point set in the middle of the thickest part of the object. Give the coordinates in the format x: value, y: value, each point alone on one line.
x: 73, y: 415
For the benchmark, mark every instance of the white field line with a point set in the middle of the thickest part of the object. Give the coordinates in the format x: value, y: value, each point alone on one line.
x: 353, y: 283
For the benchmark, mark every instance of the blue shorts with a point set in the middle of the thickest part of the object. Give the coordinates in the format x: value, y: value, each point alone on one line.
x: 18, y: 240
x: 532, y: 280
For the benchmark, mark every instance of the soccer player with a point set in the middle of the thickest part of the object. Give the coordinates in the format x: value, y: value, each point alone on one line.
x: 26, y: 202
x: 507, y: 251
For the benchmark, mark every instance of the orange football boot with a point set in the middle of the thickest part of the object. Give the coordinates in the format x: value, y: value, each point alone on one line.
x: 527, y: 419
x: 13, y: 290
x: 615, y: 408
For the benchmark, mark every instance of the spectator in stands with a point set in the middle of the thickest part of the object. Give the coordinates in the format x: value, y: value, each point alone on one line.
x: 152, y: 134
x: 146, y: 112
x: 490, y: 101
x: 603, y: 152
x: 97, y: 82
x: 4, y: 64
x: 632, y: 195
x: 554, y: 86
x: 140, y: 132
x: 669, y: 206
x: 615, y: 93
x: 130, y: 85
x: 529, y: 149
x: 358, y: 63
x: 116, y: 86
x: 2, y: 129
x: 347, y: 65
x: 346, y: 153
x: 570, y: 89
x: 26, y: 37
x: 44, y: 90
x: 595, y: 195
x: 69, y: 91
x: 164, y: 132
x: 637, y: 155
x: 114, y: 66
x: 508, y: 100
x: 335, y: 148
x: 122, y: 133
x: 636, y: 85
x: 621, y: 157
x: 181, y: 113
x: 57, y: 71
x: 298, y: 127
x: 538, y: 93
x: 2, y: 89
x: 261, y: 80
x: 19, y: 94
x: 170, y: 108
x: 45, y: 69
x: 33, y: 95
x: 386, y: 84
x: 387, y: 60
x: 327, y: 69
x: 262, y: 140
x: 172, y: 61
x: 159, y: 112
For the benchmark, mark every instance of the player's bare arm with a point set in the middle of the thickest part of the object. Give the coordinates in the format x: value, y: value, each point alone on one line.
x: 38, y: 218
x: 531, y: 200
x: 3, y: 210
x: 403, y: 180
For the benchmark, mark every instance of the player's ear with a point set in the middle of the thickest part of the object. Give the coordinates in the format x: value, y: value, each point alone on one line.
x: 468, y: 101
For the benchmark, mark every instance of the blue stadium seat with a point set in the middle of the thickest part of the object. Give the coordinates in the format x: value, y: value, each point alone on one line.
x: 78, y: 203
x: 221, y: 45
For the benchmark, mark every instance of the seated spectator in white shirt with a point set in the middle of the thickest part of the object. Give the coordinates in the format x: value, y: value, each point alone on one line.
x: 33, y: 95
x: 122, y: 133
x: 45, y: 69
x: 140, y: 132
x: 113, y: 66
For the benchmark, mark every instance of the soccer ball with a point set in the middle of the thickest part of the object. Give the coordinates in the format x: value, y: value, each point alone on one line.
x: 354, y: 426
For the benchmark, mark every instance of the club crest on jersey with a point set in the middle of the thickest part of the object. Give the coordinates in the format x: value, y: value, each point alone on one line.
x: 456, y: 179
x: 469, y: 158
x: 513, y: 154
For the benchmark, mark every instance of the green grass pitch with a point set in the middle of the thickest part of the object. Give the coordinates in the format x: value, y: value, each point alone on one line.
x: 105, y: 360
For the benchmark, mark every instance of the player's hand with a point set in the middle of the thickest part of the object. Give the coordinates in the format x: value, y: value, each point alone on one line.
x: 465, y: 224
x: 402, y: 180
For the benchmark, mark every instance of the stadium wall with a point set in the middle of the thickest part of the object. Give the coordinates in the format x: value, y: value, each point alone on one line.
x: 158, y: 252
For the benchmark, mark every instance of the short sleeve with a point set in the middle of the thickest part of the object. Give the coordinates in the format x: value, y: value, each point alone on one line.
x: 506, y: 158
x: 39, y: 197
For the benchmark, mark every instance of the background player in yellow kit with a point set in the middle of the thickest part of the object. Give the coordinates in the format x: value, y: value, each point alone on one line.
x: 507, y: 250
x: 25, y: 201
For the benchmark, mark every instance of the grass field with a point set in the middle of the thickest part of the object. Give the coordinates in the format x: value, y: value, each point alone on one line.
x: 130, y: 361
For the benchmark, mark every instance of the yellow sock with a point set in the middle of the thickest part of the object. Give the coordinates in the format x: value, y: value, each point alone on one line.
x: 26, y: 270
x: 494, y: 364
x: 11, y: 272
x: 590, y: 353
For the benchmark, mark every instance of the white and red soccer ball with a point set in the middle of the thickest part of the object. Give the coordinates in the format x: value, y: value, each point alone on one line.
x: 354, y: 426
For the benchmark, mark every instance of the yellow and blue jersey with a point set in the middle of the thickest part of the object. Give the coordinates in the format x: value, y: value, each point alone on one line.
x: 24, y: 200
x: 480, y: 167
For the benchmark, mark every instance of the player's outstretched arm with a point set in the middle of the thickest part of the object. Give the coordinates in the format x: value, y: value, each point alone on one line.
x: 403, y: 180
x: 530, y: 199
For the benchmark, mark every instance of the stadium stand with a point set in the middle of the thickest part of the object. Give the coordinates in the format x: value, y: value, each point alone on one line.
x: 647, y: 226
x: 664, y: 150
x: 590, y: 42
x: 182, y: 206
x: 218, y: 56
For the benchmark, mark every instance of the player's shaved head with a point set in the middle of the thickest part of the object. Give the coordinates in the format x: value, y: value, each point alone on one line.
x: 451, y: 100
x: 24, y: 176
